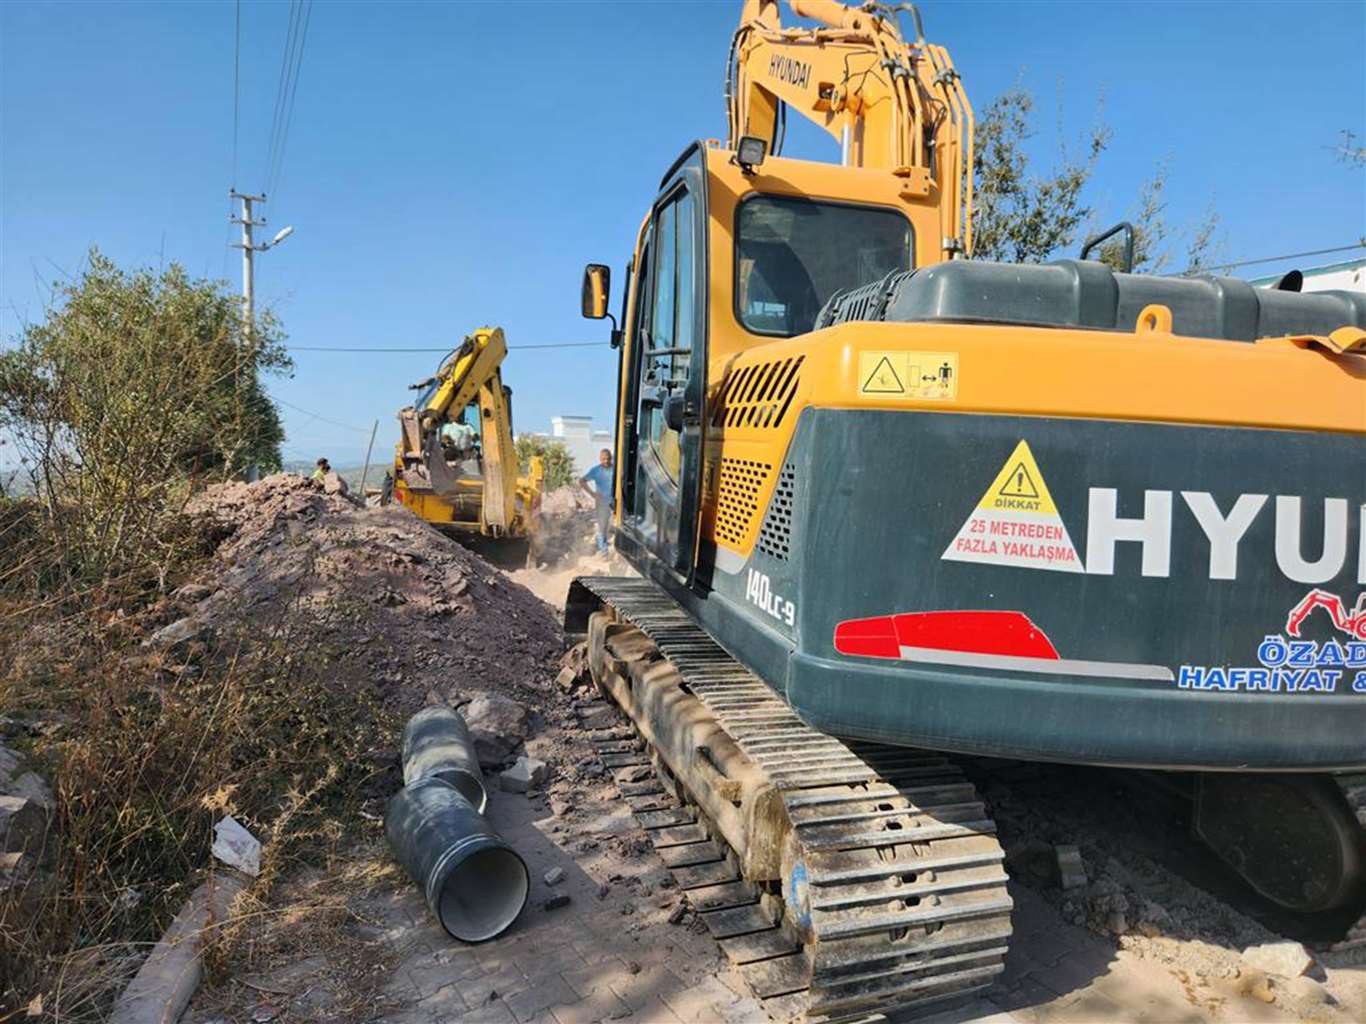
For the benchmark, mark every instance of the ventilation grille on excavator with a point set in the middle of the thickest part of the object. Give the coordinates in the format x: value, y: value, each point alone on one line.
x: 737, y: 499
x: 868, y: 302
x: 775, y: 536
x: 759, y: 395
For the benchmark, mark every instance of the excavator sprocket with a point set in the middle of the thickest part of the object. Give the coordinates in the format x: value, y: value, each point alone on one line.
x: 893, y: 890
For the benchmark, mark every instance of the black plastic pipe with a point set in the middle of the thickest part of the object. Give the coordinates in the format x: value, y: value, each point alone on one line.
x: 437, y: 744
x: 473, y: 881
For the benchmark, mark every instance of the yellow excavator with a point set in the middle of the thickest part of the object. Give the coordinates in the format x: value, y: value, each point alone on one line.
x: 890, y: 504
x: 456, y: 464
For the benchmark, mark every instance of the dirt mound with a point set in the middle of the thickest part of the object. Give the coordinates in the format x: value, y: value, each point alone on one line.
x: 566, y: 526
x: 414, y: 612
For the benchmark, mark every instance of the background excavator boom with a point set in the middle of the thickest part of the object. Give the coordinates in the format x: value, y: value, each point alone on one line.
x: 470, y: 376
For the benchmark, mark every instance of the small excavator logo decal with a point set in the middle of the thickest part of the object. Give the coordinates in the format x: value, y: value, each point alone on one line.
x: 1352, y: 623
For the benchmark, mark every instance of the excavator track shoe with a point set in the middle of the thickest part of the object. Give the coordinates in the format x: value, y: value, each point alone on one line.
x: 892, y: 893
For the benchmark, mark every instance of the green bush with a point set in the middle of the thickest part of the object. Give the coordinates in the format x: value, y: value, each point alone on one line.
x: 559, y: 464
x: 133, y: 389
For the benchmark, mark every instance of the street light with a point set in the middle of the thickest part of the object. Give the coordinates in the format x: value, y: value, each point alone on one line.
x: 280, y: 236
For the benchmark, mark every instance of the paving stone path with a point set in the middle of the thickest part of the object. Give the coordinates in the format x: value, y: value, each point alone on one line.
x: 612, y: 955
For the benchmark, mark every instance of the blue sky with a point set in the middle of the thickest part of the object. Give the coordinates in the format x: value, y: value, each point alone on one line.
x: 456, y: 164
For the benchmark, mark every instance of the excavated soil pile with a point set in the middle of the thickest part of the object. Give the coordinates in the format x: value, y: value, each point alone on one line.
x: 398, y: 603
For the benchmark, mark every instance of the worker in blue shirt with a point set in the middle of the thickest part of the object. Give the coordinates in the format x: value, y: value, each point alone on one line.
x: 600, y: 476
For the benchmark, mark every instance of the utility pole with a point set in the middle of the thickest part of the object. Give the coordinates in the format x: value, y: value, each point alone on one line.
x: 249, y: 249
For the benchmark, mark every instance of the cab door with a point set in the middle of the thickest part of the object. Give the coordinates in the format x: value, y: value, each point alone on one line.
x: 661, y: 480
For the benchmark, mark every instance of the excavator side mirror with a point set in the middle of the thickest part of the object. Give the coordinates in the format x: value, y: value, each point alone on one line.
x: 597, y: 289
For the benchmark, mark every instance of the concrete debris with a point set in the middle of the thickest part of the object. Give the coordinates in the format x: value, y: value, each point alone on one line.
x: 554, y: 876
x: 1071, y: 871
x: 236, y: 847
x: 9, y: 765
x: 574, y: 668
x: 32, y: 786
x: 498, y: 726
x: 678, y: 913
x: 555, y: 902
x: 192, y: 593
x: 181, y: 631
x: 23, y: 824
x: 1286, y: 959
x: 1308, y: 992
x: 527, y: 773
x: 334, y: 484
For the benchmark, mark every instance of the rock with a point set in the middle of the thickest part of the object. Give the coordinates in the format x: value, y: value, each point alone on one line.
x: 236, y: 847
x: 192, y: 593
x: 23, y: 824
x: 1307, y: 991
x: 526, y: 774
x: 1070, y: 870
x: 566, y: 679
x: 9, y: 764
x: 179, y: 632
x: 1261, y: 988
x: 555, y: 902
x: 678, y: 913
x: 554, y: 876
x: 32, y: 786
x: 1031, y: 857
x: 604, y: 890
x: 498, y: 726
x: 1288, y: 959
x: 334, y: 484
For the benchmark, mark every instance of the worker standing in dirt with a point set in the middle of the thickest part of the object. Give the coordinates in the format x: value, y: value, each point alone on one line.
x: 601, y: 477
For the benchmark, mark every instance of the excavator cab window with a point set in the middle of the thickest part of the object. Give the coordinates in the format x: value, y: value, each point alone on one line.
x: 666, y: 354
x: 793, y: 254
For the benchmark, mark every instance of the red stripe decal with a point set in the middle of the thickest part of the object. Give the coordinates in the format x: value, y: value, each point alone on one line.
x: 883, y: 636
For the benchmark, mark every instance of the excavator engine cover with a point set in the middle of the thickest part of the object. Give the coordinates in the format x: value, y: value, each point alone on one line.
x: 1072, y: 293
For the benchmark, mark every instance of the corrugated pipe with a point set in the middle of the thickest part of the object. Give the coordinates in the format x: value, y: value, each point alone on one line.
x: 473, y: 881
x: 437, y: 744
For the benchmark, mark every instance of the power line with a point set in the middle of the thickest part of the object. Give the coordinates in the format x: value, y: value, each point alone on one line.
x: 236, y: 84
x: 276, y: 165
x: 282, y: 87
x: 321, y: 418
x: 236, y: 104
x: 1287, y: 256
x: 445, y: 348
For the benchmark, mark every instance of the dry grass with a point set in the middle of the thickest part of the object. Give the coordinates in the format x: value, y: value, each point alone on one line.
x: 148, y: 749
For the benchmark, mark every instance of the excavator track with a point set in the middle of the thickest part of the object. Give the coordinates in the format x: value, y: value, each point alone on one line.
x: 896, y: 898
x: 1353, y: 787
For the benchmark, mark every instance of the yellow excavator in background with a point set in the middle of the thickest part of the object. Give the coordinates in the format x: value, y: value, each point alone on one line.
x: 455, y: 464
x: 889, y: 504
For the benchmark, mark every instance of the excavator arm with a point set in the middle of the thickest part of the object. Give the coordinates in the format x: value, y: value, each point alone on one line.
x: 470, y: 373
x: 892, y: 105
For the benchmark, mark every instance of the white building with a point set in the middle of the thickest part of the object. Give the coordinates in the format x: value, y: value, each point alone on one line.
x: 1347, y: 276
x: 581, y: 439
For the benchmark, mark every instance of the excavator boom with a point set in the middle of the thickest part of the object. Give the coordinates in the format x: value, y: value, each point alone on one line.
x: 892, y: 105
